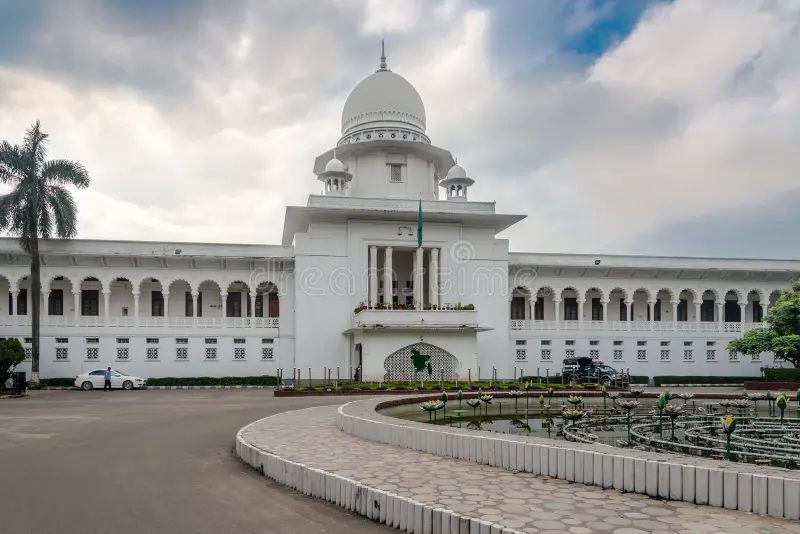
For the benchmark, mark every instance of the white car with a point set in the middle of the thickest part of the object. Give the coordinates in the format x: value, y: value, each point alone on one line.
x: 96, y: 379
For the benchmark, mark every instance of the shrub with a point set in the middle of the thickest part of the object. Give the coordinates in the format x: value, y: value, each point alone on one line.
x: 789, y: 374
x: 64, y: 382
x: 11, y: 355
x: 661, y: 380
x: 213, y: 381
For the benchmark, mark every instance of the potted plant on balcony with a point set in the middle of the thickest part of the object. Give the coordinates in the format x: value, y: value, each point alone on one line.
x: 359, y: 308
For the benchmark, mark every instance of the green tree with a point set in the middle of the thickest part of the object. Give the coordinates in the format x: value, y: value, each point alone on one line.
x: 39, y: 206
x: 782, y: 337
x: 11, y: 355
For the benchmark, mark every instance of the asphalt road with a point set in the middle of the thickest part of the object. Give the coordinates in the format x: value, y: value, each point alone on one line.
x: 147, y: 462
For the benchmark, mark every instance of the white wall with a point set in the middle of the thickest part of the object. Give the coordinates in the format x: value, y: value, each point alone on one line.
x: 371, y: 176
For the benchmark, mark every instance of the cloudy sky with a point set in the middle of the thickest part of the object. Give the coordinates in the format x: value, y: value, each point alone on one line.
x: 619, y: 126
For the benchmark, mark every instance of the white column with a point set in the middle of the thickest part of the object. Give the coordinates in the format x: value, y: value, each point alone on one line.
x: 77, y: 299
x: 194, y: 307
x: 764, y: 310
x: 166, y: 306
x: 628, y: 313
x: 697, y: 313
x: 136, y: 308
x: 527, y: 316
x: 652, y: 306
x: 743, y: 308
x: 605, y: 314
x: 45, y: 309
x: 223, y: 301
x: 675, y: 304
x: 580, y: 313
x: 419, y: 274
x: 253, y: 308
x: 106, y: 311
x: 720, y: 315
x: 388, y: 277
x: 556, y: 303
x: 373, y: 275
x: 15, y: 304
x: 433, y: 289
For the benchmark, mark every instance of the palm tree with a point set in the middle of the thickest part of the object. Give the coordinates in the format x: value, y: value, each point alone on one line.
x: 39, y: 206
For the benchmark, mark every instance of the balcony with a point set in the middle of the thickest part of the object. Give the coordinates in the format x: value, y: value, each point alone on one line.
x: 633, y: 326
x: 63, y: 321
x: 416, y: 320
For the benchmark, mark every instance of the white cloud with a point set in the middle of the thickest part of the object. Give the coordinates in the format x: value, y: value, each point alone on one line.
x: 693, y: 113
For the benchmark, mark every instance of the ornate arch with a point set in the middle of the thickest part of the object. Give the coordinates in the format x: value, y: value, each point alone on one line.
x: 715, y: 291
x: 420, y: 361
x: 692, y: 292
x: 600, y: 290
x: 740, y: 296
x: 545, y: 290
x: 47, y: 284
x: 762, y: 296
x: 647, y: 292
x: 671, y: 292
x: 624, y: 291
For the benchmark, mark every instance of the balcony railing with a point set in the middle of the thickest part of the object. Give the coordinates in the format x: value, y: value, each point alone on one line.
x: 63, y: 321
x: 633, y: 326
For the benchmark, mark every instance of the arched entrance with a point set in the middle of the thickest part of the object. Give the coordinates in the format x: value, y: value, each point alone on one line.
x: 420, y: 361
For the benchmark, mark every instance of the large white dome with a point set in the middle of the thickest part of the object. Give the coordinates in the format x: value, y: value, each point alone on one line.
x: 384, y: 97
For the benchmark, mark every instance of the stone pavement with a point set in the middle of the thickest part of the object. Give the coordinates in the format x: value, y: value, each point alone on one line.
x: 522, y: 501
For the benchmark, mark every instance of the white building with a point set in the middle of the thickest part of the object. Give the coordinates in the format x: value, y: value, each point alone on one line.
x: 159, y: 309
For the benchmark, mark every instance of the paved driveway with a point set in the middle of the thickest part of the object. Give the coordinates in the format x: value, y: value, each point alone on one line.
x: 147, y: 461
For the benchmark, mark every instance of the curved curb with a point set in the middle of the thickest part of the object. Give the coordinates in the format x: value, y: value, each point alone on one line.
x: 381, y: 506
x: 743, y: 487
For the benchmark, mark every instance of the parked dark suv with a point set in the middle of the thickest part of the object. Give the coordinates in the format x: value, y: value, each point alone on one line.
x: 585, y: 370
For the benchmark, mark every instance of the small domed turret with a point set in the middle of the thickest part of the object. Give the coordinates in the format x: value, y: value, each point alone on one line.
x: 456, y: 183
x: 335, y: 177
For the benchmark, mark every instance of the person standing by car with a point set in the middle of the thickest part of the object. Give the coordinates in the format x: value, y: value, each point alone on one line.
x: 107, y: 382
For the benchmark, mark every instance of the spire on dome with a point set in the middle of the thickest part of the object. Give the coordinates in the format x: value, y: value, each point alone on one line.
x: 383, y: 57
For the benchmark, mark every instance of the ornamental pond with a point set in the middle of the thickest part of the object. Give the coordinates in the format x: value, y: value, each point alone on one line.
x: 757, y: 428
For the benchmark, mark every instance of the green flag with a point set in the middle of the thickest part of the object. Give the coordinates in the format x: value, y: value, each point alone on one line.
x: 419, y: 225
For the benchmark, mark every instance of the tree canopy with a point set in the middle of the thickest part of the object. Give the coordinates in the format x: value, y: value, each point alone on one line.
x: 11, y: 355
x: 782, y: 336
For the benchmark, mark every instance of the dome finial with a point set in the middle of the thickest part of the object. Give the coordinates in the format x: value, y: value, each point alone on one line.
x: 383, y: 56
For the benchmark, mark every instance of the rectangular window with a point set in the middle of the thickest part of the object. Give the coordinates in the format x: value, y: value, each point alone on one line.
x: 597, y: 309
x: 28, y: 340
x: 656, y: 310
x: 274, y: 308
x: 665, y: 343
x: 62, y: 340
x: 688, y: 355
x: 28, y: 353
x: 152, y: 353
x: 62, y: 354
x: 90, y: 302
x: 618, y: 355
x: 687, y: 343
x: 569, y: 342
x: 239, y: 340
x: 664, y: 355
x: 55, y: 302
x: 181, y: 353
x: 710, y: 343
x: 260, y: 305
x: 569, y: 353
x: 267, y: 340
x: 517, y: 308
x: 545, y: 355
x: 707, y: 311
x: 396, y: 173
x: 617, y: 343
x: 211, y: 353
x: 711, y: 355
x: 239, y: 353
x: 594, y: 342
x: 182, y: 340
x: 123, y: 340
x: 641, y: 343
x: 122, y: 353
x: 683, y: 311
x: 546, y: 342
x: 233, y: 304
x: 758, y: 312
x: 521, y: 342
x: 10, y: 303
x: 538, y: 310
x: 157, y: 304
x: 570, y: 309
x: 733, y: 357
x: 246, y: 297
x: 189, y: 304
x: 152, y: 340
x: 623, y: 310
x: 22, y: 302
x: 92, y: 353
x: 266, y: 353
x: 199, y: 303
x: 92, y: 340
x: 755, y: 358
x: 211, y: 340
x: 641, y: 355
x: 594, y: 354
x: 520, y: 355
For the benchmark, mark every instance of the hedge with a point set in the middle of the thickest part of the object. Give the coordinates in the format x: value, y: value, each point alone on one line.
x: 777, y: 374
x: 661, y: 380
x: 57, y: 382
x: 214, y: 381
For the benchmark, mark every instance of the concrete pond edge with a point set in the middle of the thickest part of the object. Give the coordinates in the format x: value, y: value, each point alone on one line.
x: 377, y: 505
x: 702, y: 481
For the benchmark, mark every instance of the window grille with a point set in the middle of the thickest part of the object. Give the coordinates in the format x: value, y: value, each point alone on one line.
x: 122, y: 353
x: 618, y: 355
x: 152, y: 340
x: 238, y: 353
x: 520, y: 355
x: 396, y: 173
x: 665, y: 355
x: 733, y: 356
x: 182, y: 340
x: 181, y: 353
x: 211, y: 340
x: 239, y: 340
x: 92, y: 340
x: 28, y: 353
x: 688, y: 355
x: 61, y: 340
x: 711, y: 355
x: 123, y: 340
x: 61, y: 353
x: 211, y: 353
x: 268, y: 340
x: 545, y: 355
x: 92, y: 353
x: 569, y: 353
x: 522, y: 342
x: 641, y: 355
x: 266, y: 353
x: 152, y: 353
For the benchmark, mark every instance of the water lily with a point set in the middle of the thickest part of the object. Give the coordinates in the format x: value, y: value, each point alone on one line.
x: 575, y: 401
x: 782, y: 401
x: 474, y: 404
x: 432, y: 407
x: 541, y: 400
x: 459, y: 396
x: 636, y: 391
x: 673, y: 411
x: 573, y: 415
x: 740, y: 404
x: 728, y: 426
x: 614, y: 396
x: 516, y: 394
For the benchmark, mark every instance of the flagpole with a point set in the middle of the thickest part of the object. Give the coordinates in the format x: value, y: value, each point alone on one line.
x: 418, y: 283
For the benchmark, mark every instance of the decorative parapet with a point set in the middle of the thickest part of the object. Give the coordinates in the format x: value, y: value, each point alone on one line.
x: 397, y: 204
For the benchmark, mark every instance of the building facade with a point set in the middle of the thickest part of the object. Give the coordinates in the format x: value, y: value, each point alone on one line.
x: 354, y: 287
